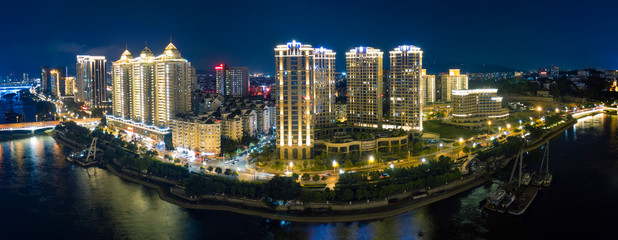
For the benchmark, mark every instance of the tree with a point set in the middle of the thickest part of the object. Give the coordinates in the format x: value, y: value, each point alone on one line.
x: 110, y: 153
x: 306, y: 177
x: 218, y: 170
x: 324, y: 178
x: 282, y: 188
x: 348, y: 164
x: 228, y: 171
x: 466, y: 149
x: 295, y: 176
x: 103, y: 121
x: 210, y: 168
x: 348, y: 194
x: 316, y: 177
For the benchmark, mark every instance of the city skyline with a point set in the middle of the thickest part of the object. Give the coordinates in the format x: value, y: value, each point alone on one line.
x: 536, y: 36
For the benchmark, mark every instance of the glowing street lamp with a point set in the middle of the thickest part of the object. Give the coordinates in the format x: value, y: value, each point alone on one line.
x: 461, y: 140
x: 392, y: 166
x: 334, y: 165
x: 508, y: 126
x: 488, y: 126
x: 370, y: 159
x: 557, y: 110
x: 423, y: 160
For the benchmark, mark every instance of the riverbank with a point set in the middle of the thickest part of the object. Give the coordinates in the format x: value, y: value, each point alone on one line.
x: 542, y: 140
x: 404, y: 205
x: 313, y: 212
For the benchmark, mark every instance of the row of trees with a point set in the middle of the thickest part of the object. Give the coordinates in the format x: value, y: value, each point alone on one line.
x: 374, y: 185
x: 152, y: 166
x: 278, y: 188
x: 510, y: 147
x: 229, y: 147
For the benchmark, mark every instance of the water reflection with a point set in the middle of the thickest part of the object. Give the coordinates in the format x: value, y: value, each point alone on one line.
x: 48, y: 198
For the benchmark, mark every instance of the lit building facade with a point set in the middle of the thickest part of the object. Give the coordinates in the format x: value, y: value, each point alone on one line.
x: 405, y: 88
x: 122, y: 76
x: 294, y: 63
x: 324, y: 87
x: 53, y: 81
x: 45, y: 80
x: 231, y: 126
x: 453, y: 81
x: 196, y: 133
x: 90, y: 80
x: 475, y: 107
x: 220, y: 79
x: 69, y: 86
x: 428, y: 88
x: 364, y: 77
x: 152, y: 90
x: 232, y: 81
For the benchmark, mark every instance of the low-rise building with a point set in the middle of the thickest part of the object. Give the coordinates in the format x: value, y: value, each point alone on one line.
x: 474, y: 107
x: 249, y: 122
x: 197, y: 133
x: 231, y: 126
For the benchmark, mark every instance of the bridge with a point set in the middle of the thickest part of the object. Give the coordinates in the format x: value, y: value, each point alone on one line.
x: 12, y: 89
x: 37, y: 126
x: 28, y: 126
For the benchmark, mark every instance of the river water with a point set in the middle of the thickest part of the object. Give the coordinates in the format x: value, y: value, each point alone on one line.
x: 44, y: 197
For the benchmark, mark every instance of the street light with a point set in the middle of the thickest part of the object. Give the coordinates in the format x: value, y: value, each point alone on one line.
x: 539, y: 109
x: 461, y: 140
x: 488, y: 125
x: 423, y: 160
x: 508, y: 126
x: 557, y: 110
x: 392, y: 166
x: 370, y: 159
x: 334, y: 165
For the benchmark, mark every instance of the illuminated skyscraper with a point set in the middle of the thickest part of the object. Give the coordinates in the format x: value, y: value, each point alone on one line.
x: 237, y: 82
x: 220, y: 79
x: 365, y: 75
x: 151, y: 90
x: 405, y: 88
x: 90, y: 80
x: 428, y: 88
x: 53, y: 81
x: 294, y: 78
x: 122, y: 81
x: 453, y: 81
x: 324, y: 87
x: 45, y: 80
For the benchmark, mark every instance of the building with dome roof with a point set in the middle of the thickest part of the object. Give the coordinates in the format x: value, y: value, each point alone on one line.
x: 150, y: 90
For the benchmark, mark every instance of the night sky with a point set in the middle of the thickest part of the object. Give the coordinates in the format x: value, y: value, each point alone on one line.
x: 570, y: 34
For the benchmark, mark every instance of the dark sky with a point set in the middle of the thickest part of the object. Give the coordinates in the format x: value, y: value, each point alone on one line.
x: 516, y: 34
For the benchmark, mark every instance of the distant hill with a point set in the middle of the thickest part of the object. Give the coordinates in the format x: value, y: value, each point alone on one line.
x: 435, y: 67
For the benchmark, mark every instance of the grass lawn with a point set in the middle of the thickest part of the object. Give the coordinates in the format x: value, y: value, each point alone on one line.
x: 524, y: 116
x: 448, y: 131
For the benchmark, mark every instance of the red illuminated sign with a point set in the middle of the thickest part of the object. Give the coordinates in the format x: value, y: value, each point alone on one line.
x: 220, y: 67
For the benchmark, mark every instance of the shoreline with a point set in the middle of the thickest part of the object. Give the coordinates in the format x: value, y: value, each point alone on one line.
x: 309, y: 215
